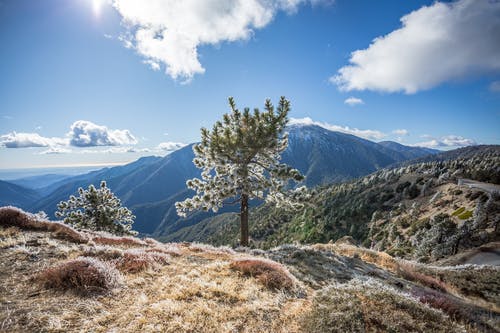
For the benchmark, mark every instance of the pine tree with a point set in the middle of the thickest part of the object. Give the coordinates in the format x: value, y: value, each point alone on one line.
x: 240, y: 159
x: 97, y: 209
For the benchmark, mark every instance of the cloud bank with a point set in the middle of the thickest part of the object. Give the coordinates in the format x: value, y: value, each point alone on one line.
x: 27, y: 140
x: 170, y: 146
x: 365, y: 134
x: 87, y: 134
x: 82, y: 134
x: 449, y: 141
x: 436, y: 44
x: 169, y: 32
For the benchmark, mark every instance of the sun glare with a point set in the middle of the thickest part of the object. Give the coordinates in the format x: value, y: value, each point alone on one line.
x: 96, y: 7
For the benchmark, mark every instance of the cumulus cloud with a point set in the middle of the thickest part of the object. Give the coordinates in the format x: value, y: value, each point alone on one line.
x: 366, y: 134
x: 400, y: 132
x: 448, y: 141
x: 170, y: 146
x: 27, y: 140
x: 436, y: 43
x: 87, y: 134
x: 353, y: 101
x: 169, y: 32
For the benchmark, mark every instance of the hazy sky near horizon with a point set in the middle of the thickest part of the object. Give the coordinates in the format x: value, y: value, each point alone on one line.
x: 107, y: 81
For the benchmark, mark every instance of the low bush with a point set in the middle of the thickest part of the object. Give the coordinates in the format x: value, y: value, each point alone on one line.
x: 134, y: 261
x: 82, y: 275
x: 116, y: 240
x: 270, y: 273
x: 369, y: 306
x: 15, y: 217
x: 409, y: 272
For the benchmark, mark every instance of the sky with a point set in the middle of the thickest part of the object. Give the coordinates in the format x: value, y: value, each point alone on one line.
x: 102, y: 82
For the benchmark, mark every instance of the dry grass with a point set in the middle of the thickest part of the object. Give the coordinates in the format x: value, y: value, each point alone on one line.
x: 369, y: 306
x: 170, y: 249
x: 270, y: 273
x: 380, y: 259
x: 409, y: 272
x: 15, y: 217
x: 109, y: 239
x: 83, y: 275
x: 134, y: 261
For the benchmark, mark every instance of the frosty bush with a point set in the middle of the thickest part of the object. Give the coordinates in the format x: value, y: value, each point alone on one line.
x: 97, y: 209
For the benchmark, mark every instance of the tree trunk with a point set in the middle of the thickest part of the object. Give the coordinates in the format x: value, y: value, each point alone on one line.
x: 244, y: 220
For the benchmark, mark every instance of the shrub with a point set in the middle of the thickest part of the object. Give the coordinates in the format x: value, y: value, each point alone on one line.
x: 82, y: 275
x: 97, y: 209
x: 370, y: 306
x: 15, y: 217
x: 270, y: 273
x: 134, y: 261
x: 114, y: 240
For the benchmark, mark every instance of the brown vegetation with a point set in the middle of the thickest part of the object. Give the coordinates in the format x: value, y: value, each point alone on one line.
x: 369, y: 306
x: 82, y: 275
x: 270, y: 273
x: 15, y: 217
x: 134, y: 261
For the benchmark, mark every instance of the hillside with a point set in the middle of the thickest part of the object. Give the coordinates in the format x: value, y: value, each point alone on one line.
x: 420, y: 211
x: 151, y: 186
x: 12, y: 194
x: 68, y: 280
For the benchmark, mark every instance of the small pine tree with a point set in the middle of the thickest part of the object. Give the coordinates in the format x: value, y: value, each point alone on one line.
x: 97, y: 209
x: 240, y: 159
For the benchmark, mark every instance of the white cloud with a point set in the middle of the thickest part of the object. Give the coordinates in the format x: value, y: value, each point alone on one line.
x: 87, y: 134
x: 27, y: 140
x: 353, y: 101
x: 170, y: 146
x: 400, y: 132
x: 366, y: 134
x: 446, y: 141
x: 495, y: 86
x: 55, y: 150
x: 169, y: 32
x: 436, y: 43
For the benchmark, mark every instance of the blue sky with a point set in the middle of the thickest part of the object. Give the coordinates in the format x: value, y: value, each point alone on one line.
x: 102, y: 82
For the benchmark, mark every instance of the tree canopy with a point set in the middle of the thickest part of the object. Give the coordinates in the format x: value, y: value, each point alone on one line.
x: 240, y: 160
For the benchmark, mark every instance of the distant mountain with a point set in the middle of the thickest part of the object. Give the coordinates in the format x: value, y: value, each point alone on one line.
x: 63, y: 189
x: 40, y: 181
x: 418, y: 211
x: 15, y: 195
x: 409, y: 152
x: 325, y: 156
x: 151, y: 187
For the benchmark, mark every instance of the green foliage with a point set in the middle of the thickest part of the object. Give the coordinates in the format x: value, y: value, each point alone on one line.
x: 97, y: 209
x: 465, y: 215
x: 458, y: 211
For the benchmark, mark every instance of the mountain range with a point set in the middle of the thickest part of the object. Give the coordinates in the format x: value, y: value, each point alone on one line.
x: 151, y: 185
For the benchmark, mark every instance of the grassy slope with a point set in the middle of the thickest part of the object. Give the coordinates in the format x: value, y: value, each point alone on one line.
x: 198, y: 291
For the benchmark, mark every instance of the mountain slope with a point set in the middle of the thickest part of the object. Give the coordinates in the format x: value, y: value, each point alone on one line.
x: 15, y: 195
x: 151, y: 189
x: 419, y: 211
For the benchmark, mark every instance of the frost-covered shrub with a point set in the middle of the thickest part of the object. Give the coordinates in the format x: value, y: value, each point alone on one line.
x: 83, y: 275
x: 270, y: 273
x: 97, y: 209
